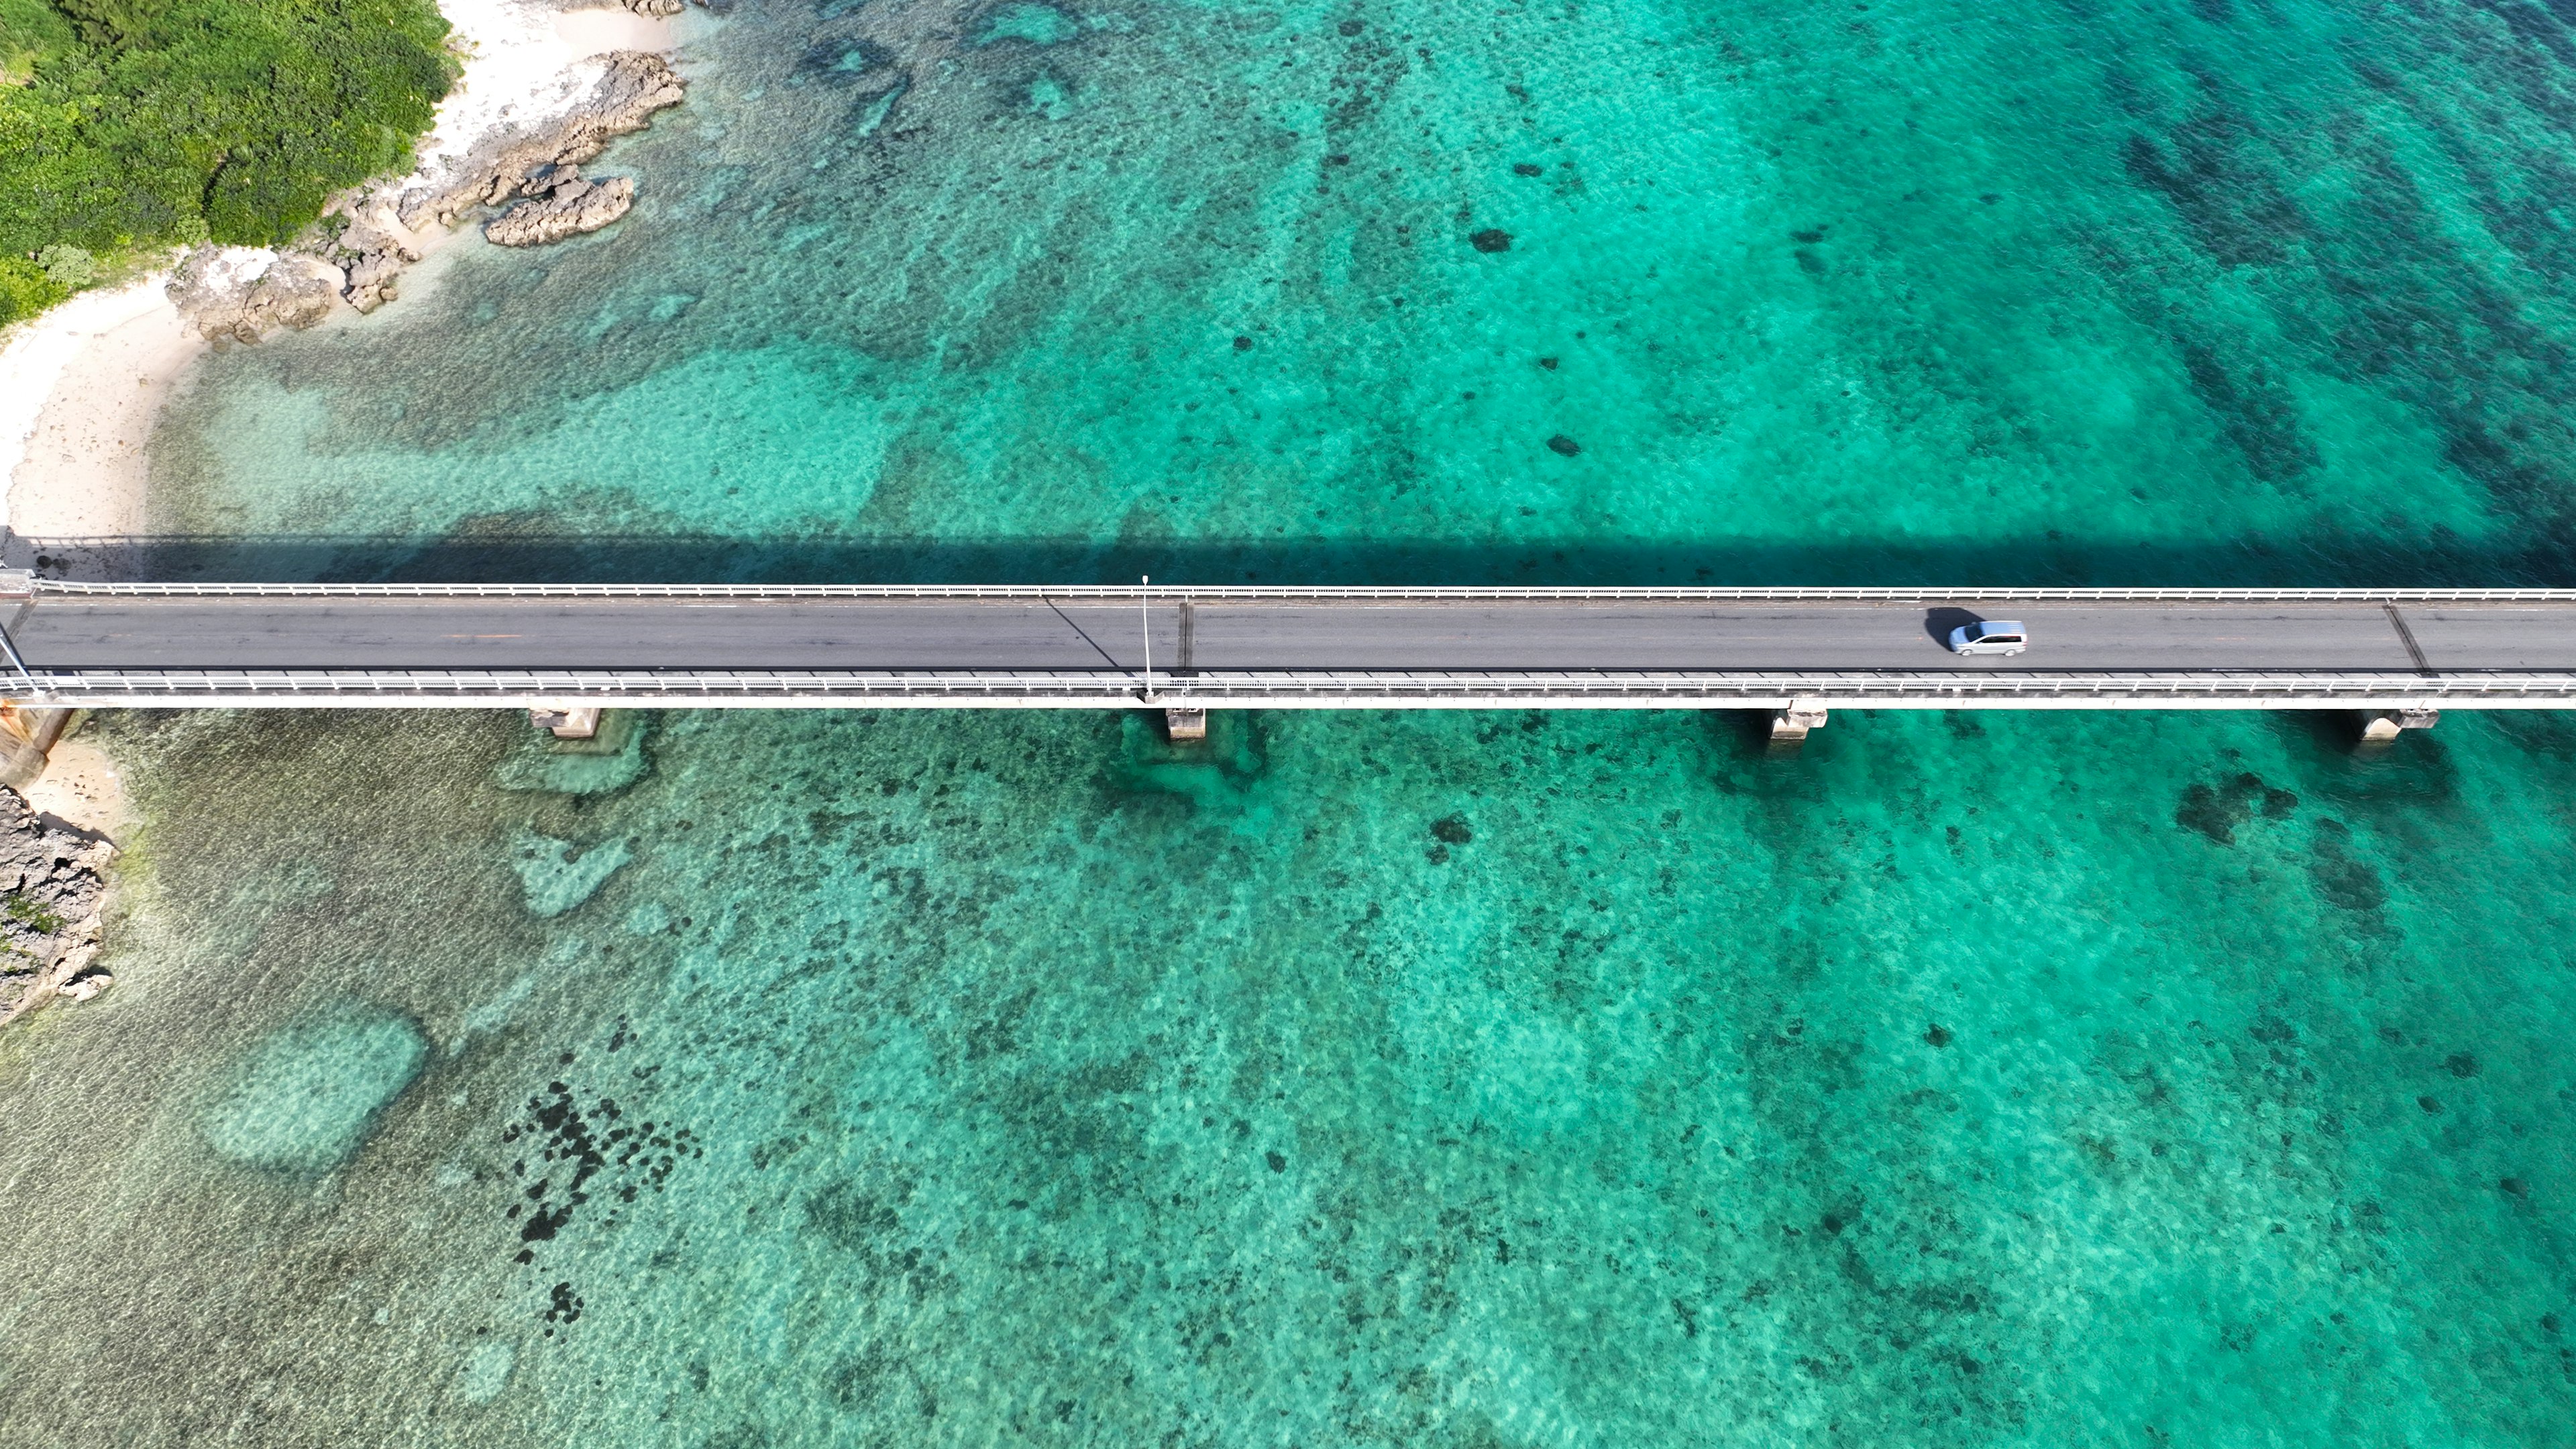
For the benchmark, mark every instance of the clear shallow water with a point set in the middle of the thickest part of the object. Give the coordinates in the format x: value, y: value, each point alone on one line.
x: 1354, y: 1079
x: 1472, y: 1080
x: 2164, y: 292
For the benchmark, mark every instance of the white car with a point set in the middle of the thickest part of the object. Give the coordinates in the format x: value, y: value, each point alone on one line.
x: 1993, y: 636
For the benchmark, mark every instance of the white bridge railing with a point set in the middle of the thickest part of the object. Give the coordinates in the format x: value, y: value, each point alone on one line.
x: 1108, y: 688
x: 1176, y: 593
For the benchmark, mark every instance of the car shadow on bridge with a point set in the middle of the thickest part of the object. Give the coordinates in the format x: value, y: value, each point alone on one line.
x: 1937, y: 623
x: 509, y: 551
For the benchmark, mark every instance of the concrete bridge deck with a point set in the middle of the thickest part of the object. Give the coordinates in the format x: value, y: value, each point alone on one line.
x: 163, y: 645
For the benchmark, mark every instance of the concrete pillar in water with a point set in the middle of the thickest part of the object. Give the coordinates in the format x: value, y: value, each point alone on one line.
x: 1184, y: 723
x: 1789, y: 727
x: 2380, y: 728
x: 566, y: 721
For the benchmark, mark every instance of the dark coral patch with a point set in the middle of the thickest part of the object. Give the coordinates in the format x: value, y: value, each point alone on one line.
x: 2216, y: 811
x: 563, y: 1305
x: 842, y: 62
x: 572, y: 1147
x: 2346, y: 883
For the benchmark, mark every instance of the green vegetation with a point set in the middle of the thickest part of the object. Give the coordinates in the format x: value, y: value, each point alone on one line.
x: 128, y: 125
x: 27, y: 911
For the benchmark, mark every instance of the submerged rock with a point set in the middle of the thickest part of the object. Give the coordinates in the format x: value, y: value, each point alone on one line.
x: 555, y: 879
x: 52, y: 883
x: 486, y: 1372
x: 308, y: 1094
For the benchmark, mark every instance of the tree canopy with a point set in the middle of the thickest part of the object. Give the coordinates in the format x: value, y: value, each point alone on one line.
x: 127, y: 124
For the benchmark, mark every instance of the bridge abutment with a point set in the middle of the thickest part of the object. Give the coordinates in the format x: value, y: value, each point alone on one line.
x: 568, y: 721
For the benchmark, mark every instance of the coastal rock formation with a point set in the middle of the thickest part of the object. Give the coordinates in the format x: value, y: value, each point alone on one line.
x: 52, y: 882
x: 568, y: 206
x: 377, y: 247
x: 635, y: 85
x: 226, y: 293
x: 240, y: 295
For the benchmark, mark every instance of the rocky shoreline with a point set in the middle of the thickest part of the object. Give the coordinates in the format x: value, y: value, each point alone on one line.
x: 530, y: 176
x: 53, y: 882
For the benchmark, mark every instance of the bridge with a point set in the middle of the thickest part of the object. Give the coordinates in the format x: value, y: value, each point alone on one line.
x: 2402, y: 653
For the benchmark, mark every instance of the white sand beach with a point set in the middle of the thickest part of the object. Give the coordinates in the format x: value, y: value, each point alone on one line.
x: 81, y: 385
x: 78, y: 390
x: 82, y: 788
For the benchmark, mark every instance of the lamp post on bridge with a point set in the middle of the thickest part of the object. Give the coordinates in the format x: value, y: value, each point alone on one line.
x: 1183, y: 723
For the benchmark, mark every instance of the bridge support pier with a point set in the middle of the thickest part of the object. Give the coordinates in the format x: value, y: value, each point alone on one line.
x: 1184, y: 723
x: 2381, y: 728
x: 567, y: 721
x: 1789, y: 727
x: 26, y: 736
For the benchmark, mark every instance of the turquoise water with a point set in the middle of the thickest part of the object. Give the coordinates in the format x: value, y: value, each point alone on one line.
x: 1463, y: 1080
x: 2161, y: 292
x: 1352, y: 1079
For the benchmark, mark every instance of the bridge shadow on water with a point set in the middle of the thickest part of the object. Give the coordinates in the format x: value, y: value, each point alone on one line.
x: 484, y: 554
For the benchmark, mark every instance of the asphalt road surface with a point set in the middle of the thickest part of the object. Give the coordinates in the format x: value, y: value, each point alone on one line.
x: 287, y: 632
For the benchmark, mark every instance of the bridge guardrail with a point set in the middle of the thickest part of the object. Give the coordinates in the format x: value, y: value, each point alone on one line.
x: 1177, y: 593
x: 1107, y: 688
